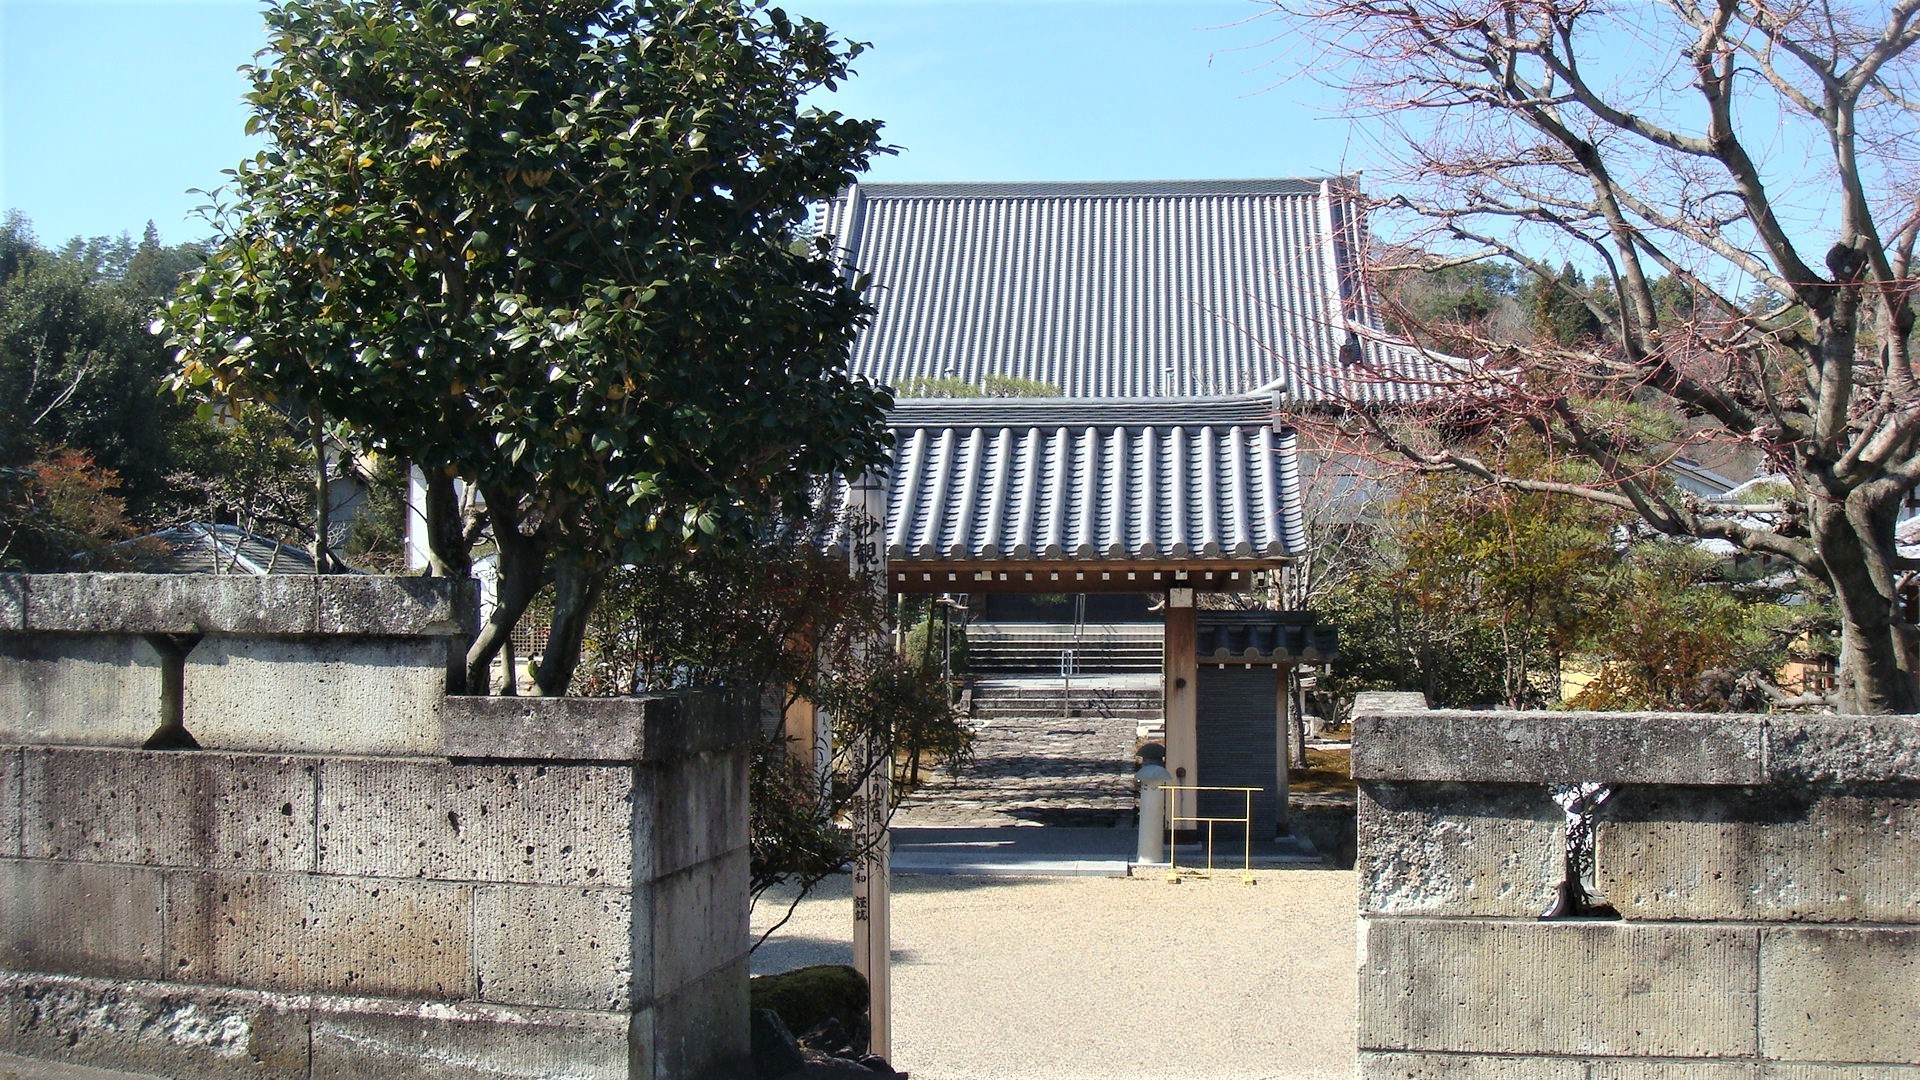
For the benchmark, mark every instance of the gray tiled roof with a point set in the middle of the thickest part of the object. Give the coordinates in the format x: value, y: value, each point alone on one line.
x: 1257, y: 636
x: 200, y: 548
x: 1044, y: 412
x: 1052, y: 485
x: 1120, y: 290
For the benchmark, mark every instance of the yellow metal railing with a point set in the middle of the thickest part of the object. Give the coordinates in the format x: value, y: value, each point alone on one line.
x: 1175, y: 819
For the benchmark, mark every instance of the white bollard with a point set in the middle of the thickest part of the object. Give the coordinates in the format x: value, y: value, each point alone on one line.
x: 1153, y: 812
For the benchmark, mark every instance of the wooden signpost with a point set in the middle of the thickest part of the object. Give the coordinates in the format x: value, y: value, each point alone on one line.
x: 872, y: 887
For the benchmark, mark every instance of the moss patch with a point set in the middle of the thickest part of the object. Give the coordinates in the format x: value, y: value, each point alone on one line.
x: 805, y: 996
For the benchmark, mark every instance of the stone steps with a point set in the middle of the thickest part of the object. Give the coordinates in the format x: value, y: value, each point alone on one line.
x: 998, y: 702
x: 1036, y: 649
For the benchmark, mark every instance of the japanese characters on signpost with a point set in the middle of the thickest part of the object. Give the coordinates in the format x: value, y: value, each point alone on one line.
x: 866, y: 517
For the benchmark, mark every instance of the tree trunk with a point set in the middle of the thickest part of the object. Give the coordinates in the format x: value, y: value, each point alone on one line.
x: 1878, y: 672
x: 576, y: 588
x: 447, y: 552
x: 1876, y: 667
x: 322, y: 554
x: 522, y: 571
x: 1297, y: 691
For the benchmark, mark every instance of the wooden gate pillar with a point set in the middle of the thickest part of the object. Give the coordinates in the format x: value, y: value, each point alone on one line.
x: 1284, y: 717
x: 1181, y: 687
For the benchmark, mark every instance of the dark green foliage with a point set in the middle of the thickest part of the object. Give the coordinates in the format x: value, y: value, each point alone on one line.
x: 1466, y: 294
x: 1686, y: 630
x: 772, y: 616
x: 249, y: 467
x: 377, y: 538
x: 547, y: 248
x: 904, y: 707
x: 793, y: 838
x: 1478, y: 596
x: 79, y: 369
x: 737, y: 612
x: 929, y: 635
x: 1470, y: 594
x: 1559, y: 307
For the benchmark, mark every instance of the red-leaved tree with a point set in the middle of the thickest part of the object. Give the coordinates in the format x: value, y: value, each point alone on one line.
x: 1737, y: 179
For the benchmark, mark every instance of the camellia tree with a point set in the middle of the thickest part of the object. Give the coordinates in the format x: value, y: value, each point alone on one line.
x: 1736, y: 179
x: 549, y: 250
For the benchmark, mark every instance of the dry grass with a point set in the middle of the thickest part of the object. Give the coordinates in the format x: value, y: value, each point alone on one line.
x: 1326, y: 771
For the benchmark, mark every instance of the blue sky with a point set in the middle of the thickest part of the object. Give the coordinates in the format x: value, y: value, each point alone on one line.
x: 110, y: 110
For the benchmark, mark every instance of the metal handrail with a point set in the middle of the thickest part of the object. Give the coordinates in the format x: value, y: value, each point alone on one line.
x: 1175, y: 818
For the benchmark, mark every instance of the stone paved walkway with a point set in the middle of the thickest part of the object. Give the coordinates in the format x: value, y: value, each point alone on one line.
x: 1035, y: 770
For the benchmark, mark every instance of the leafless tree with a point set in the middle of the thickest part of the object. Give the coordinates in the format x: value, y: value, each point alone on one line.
x: 1694, y: 156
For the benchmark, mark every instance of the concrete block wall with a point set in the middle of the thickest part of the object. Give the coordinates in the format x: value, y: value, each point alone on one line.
x: 356, y: 875
x: 1766, y: 871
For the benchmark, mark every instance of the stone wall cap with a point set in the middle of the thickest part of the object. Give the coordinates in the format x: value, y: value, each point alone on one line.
x: 1843, y: 749
x: 1375, y: 702
x: 647, y: 728
x: 1560, y: 747
x: 273, y: 605
x: 1686, y: 749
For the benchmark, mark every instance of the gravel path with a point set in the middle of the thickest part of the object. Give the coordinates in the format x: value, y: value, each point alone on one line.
x: 1106, y: 978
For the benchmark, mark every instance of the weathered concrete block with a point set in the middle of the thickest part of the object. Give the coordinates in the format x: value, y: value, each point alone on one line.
x: 557, y: 946
x: 13, y: 601
x: 395, y: 939
x: 340, y: 695
x: 300, y: 932
x: 396, y: 606
x: 1671, y: 1070
x: 171, y: 603
x: 353, y: 1039
x: 1378, y: 702
x: 408, y: 939
x: 10, y: 798
x: 1840, y: 994
x: 701, y: 1029
x: 157, y: 1029
x: 167, y: 808
x: 650, y: 728
x: 275, y: 605
x: 699, y: 922
x: 1556, y: 748
x: 1377, y: 1065
x: 1395, y: 1066
x: 1843, y: 749
x: 243, y: 930
x: 1456, y: 849
x: 528, y: 823
x: 1797, y: 853
x: 701, y: 810
x: 1796, y: 1071
x: 80, y: 919
x: 78, y: 690
x: 1564, y: 988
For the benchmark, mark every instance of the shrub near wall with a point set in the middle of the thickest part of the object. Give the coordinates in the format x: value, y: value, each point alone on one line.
x: 1766, y: 871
